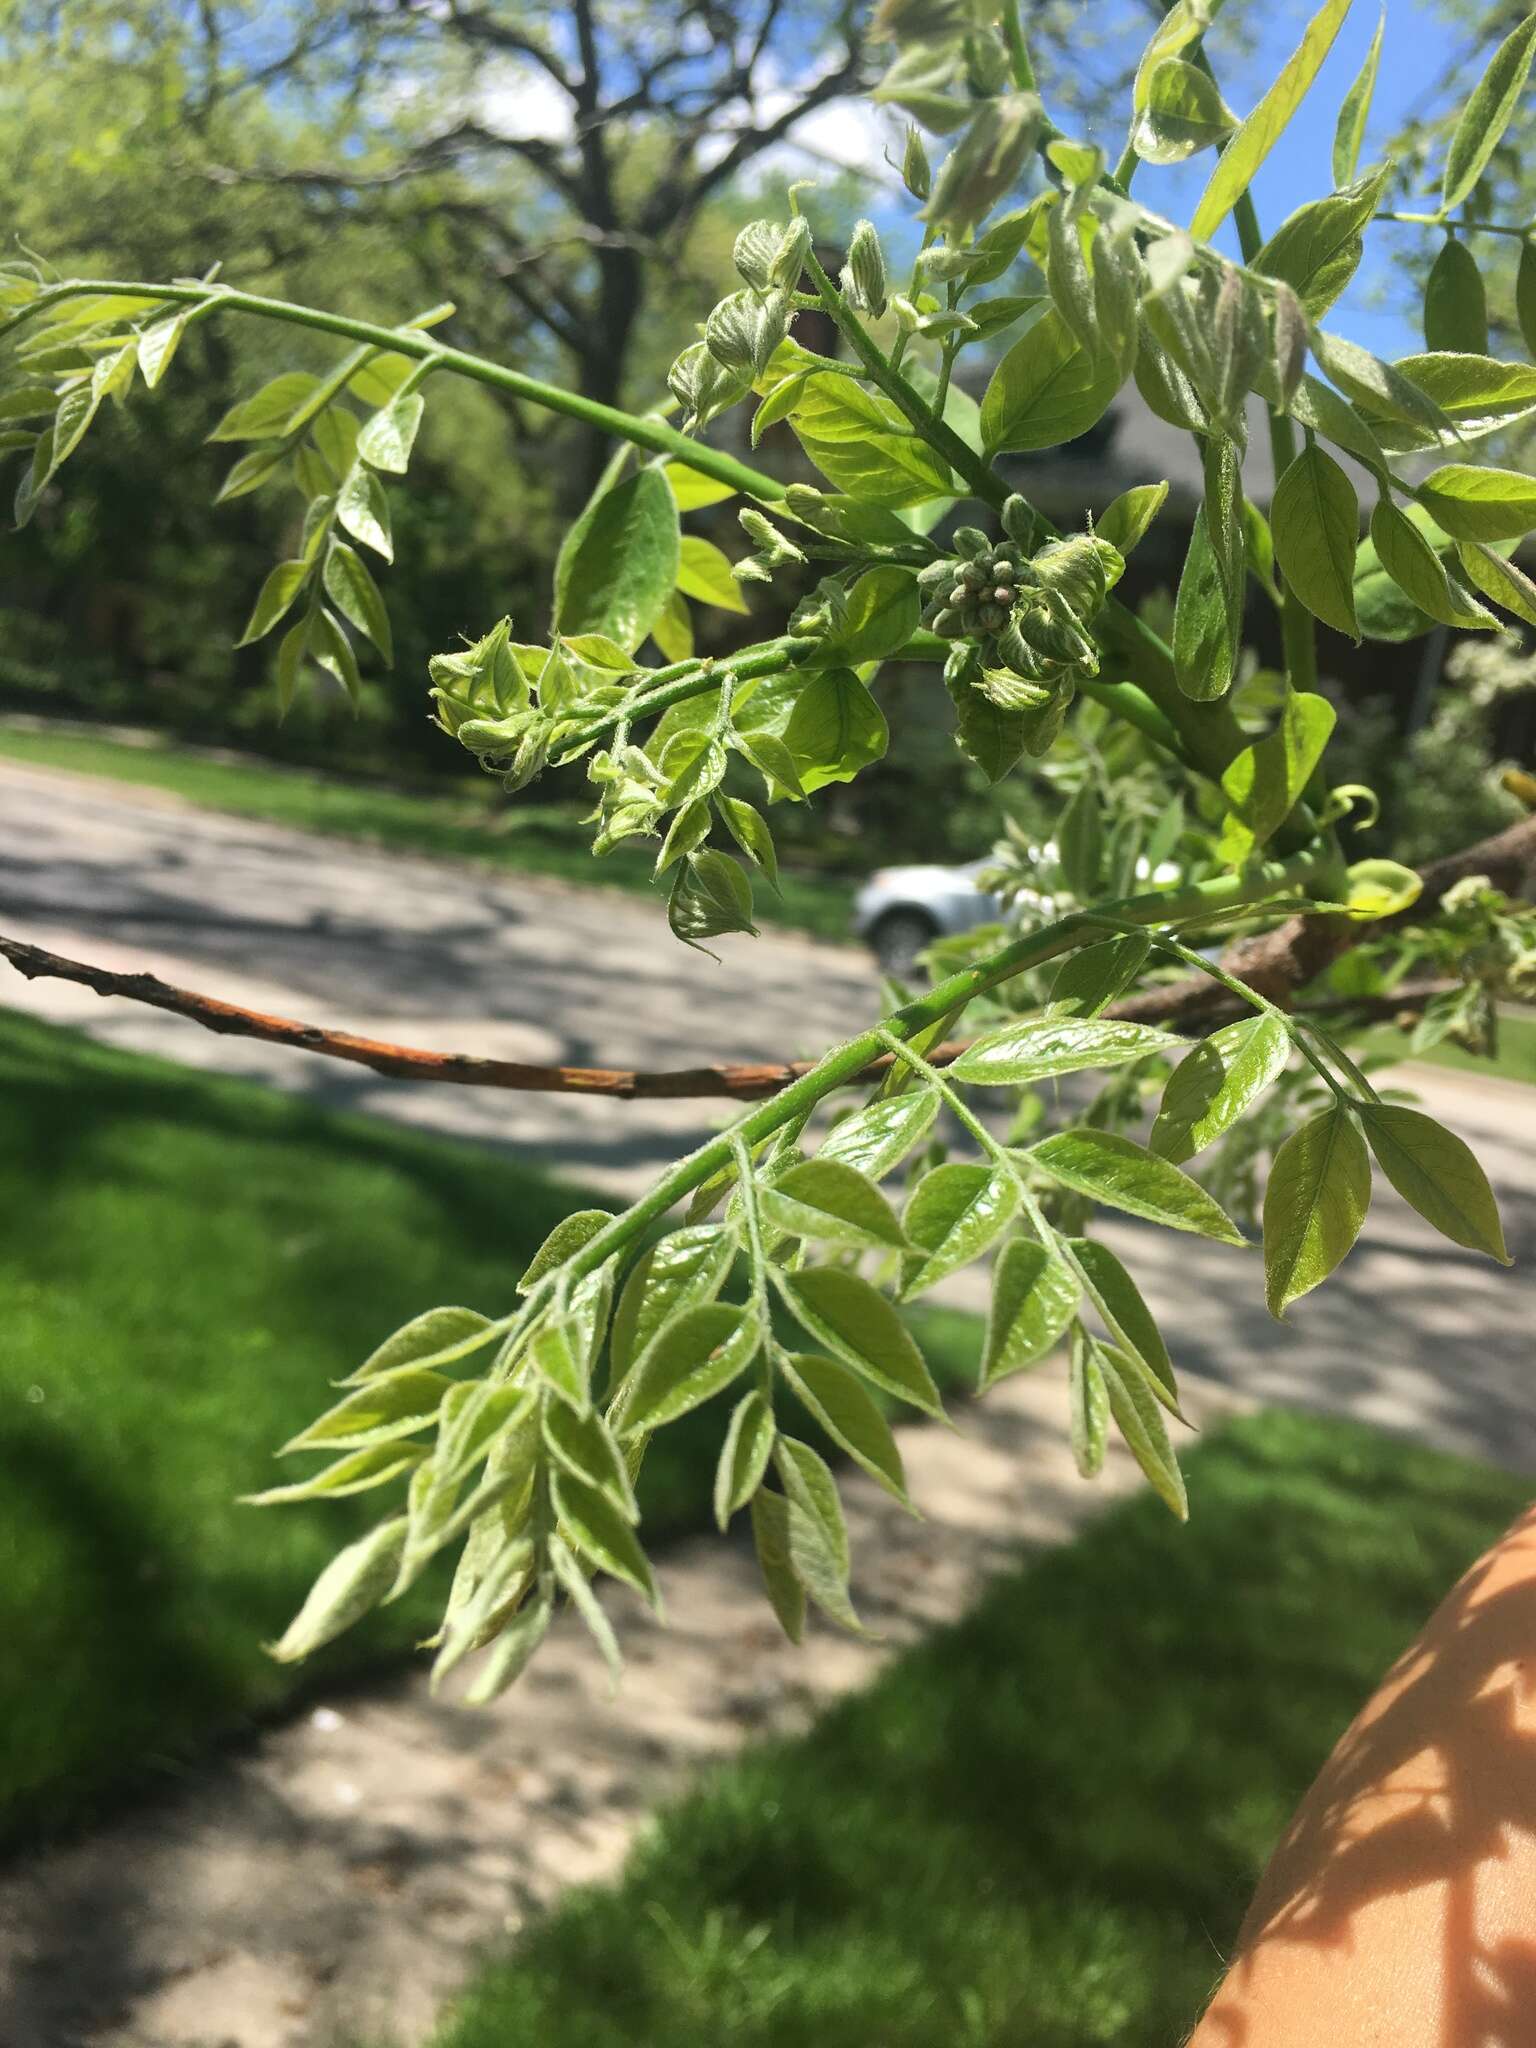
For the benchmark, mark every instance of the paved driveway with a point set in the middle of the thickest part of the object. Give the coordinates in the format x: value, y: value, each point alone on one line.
x: 1412, y: 1333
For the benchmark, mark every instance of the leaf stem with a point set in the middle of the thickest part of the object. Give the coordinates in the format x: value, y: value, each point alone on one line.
x: 644, y: 433
x: 1462, y: 227
x: 1019, y: 60
x: 844, y: 1061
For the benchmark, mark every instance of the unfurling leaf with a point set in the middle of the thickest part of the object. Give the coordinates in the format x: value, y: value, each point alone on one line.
x: 1319, y: 1190
x: 363, y: 509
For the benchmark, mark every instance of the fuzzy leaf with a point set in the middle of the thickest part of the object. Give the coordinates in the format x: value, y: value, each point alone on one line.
x: 1117, y: 1170
x: 858, y: 1325
x: 1035, y: 1295
x: 1034, y: 1048
x: 1436, y: 1173
x: 1214, y: 1084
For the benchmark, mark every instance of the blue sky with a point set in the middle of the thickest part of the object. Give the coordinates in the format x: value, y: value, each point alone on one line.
x: 1418, y: 54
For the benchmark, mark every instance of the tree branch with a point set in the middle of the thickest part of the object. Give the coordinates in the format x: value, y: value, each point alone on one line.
x: 1506, y: 860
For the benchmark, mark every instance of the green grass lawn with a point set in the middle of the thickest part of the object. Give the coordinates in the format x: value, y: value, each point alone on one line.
x: 185, y: 1263
x: 1515, y: 1058
x: 1038, y: 1829
x: 474, y: 822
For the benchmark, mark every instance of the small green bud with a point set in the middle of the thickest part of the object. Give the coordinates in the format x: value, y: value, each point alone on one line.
x: 755, y: 251
x: 969, y: 541
x: 916, y: 173
x: 863, y: 279
x: 1018, y: 520
x: 789, y: 261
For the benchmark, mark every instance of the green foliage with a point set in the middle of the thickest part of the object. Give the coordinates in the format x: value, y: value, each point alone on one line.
x: 1165, y: 760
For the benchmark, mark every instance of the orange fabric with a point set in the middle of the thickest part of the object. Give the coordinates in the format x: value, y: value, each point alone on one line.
x: 1399, y: 1911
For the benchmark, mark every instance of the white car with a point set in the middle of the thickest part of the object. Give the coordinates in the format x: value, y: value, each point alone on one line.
x: 899, y: 911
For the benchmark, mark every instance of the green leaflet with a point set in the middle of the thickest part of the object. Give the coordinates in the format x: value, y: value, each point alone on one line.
x: 363, y: 509
x: 883, y: 613
x: 858, y: 1325
x: 563, y: 1242
x: 1215, y: 1082
x: 386, y: 440
x: 770, y: 1535
x: 835, y: 729
x: 1412, y: 563
x: 1127, y: 1176
x: 835, y: 1397
x: 275, y: 600
x: 1046, y: 389
x: 1034, y: 1048
x: 744, y: 1455
x: 1317, y: 249
x: 1087, y: 1405
x: 1499, y: 580
x: 1134, y: 1407
x: 684, y: 1269
x: 1349, y: 135
x: 619, y: 562
x: 1266, y: 780
x: 1480, y: 504
x: 351, y: 588
x: 1316, y: 522
x: 392, y: 1405
x: 266, y: 416
x: 571, y: 1575
x: 1091, y: 978
x: 1319, y: 1190
x: 863, y: 446
x: 710, y: 897
x: 1456, y: 302
x: 354, y: 1581
x: 1525, y: 296
x: 1487, y: 113
x: 1079, y: 840
x: 1035, y: 1295
x: 954, y: 1213
x: 878, y: 1137
x: 1208, y: 610
x: 1119, y: 1301
x: 594, y: 1526
x: 1263, y: 128
x: 689, y: 1360
x: 1184, y: 112
x: 1437, y: 1174
x: 703, y: 572
x: 826, y: 1199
